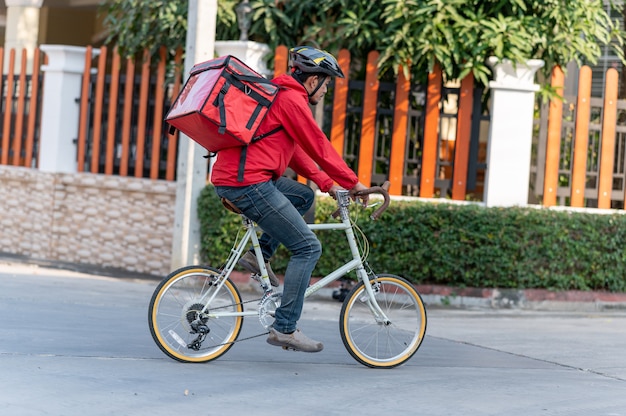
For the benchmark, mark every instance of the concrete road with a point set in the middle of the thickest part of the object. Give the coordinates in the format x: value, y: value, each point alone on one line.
x: 75, y: 344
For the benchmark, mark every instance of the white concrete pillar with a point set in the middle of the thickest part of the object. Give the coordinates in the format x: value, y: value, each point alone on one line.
x: 60, y: 109
x: 22, y: 30
x: 510, y: 132
x: 192, y: 166
x: 251, y: 53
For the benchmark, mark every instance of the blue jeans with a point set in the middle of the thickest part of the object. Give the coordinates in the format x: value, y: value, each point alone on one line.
x: 302, y: 198
x: 277, y: 207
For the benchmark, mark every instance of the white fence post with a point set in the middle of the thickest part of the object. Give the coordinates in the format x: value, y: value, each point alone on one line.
x: 192, y: 167
x: 60, y: 107
x: 251, y: 53
x: 510, y: 132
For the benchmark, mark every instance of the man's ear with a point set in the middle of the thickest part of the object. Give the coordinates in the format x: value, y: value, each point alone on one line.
x: 311, y: 83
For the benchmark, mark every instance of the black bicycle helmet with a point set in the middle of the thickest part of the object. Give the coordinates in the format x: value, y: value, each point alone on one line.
x: 314, y: 61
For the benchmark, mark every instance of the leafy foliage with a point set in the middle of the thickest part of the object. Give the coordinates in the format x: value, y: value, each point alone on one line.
x: 458, y: 34
x: 136, y: 25
x: 460, y: 245
x: 461, y: 34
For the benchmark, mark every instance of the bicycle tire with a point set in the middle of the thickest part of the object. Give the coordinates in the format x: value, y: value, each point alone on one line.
x: 173, y: 315
x: 383, y: 345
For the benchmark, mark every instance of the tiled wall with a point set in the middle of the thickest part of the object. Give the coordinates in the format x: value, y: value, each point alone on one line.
x: 99, y: 220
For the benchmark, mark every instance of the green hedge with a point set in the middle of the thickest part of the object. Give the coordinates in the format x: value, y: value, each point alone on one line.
x: 460, y: 245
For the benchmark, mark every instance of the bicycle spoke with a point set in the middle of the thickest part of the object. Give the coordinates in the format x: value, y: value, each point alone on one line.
x: 378, y: 344
x: 177, y: 323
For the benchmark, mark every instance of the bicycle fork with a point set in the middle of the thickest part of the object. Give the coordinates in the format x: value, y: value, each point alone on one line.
x: 370, y: 297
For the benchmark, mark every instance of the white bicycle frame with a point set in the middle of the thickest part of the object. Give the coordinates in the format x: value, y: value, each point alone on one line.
x: 252, y: 230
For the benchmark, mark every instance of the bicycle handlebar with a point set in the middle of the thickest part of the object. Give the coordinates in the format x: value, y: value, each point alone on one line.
x: 382, y: 190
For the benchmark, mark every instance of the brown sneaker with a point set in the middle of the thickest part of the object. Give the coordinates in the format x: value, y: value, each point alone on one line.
x: 248, y: 262
x: 296, y: 341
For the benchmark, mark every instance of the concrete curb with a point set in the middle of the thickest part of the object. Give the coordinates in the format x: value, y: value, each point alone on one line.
x: 483, y: 298
x: 527, y: 299
x: 432, y: 295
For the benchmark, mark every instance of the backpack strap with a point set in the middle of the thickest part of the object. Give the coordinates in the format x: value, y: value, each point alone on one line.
x: 219, y: 102
x: 252, y: 78
x: 264, y: 135
x: 242, y: 163
x: 236, y: 81
x: 244, y: 151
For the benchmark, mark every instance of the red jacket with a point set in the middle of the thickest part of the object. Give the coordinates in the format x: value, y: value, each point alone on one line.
x: 299, y: 145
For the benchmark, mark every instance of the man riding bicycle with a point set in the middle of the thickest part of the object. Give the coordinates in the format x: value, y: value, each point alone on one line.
x: 277, y: 203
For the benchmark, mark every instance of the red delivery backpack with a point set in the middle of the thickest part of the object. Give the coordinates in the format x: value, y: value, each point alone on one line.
x: 222, y: 105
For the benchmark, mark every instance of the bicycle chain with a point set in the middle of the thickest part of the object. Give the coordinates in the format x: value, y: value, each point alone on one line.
x: 239, y: 339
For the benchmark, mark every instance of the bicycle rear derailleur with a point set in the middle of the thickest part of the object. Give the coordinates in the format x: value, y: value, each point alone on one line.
x: 196, y: 324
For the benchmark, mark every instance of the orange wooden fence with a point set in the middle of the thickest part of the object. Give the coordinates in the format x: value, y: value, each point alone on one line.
x: 434, y: 148
x: 134, y: 133
x: 581, y: 138
x: 596, y: 177
x: 19, y: 125
x: 398, y: 139
x: 431, y: 132
x: 119, y: 132
x: 115, y: 128
x: 554, y: 140
x: 464, y: 128
x: 607, y: 154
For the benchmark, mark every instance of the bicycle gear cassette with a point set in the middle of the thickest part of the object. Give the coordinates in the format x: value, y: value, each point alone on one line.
x: 192, y: 318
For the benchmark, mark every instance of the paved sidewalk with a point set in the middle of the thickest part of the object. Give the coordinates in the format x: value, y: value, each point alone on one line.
x: 74, y: 344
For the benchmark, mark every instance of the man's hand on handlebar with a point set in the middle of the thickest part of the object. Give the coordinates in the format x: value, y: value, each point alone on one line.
x: 333, y: 191
x: 364, y: 197
x: 361, y: 192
